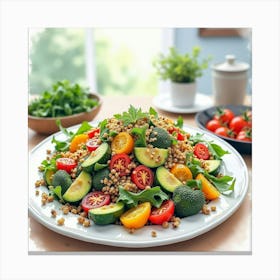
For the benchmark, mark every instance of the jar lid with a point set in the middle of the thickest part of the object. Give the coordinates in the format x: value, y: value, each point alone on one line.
x: 231, y: 65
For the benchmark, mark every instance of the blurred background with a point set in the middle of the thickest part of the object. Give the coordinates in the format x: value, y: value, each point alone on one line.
x: 118, y: 61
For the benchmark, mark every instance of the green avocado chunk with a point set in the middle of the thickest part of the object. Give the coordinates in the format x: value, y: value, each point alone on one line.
x: 63, y: 179
x: 187, y: 202
x: 161, y: 138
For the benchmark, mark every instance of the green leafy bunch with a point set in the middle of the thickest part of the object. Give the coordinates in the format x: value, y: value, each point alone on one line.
x: 63, y: 99
x: 180, y: 68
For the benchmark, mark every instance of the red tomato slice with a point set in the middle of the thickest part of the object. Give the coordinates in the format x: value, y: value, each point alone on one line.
x: 163, y: 214
x: 66, y: 164
x: 92, y: 144
x: 201, y: 151
x: 180, y: 137
x: 120, y: 163
x: 95, y: 200
x: 142, y: 176
x: 93, y: 132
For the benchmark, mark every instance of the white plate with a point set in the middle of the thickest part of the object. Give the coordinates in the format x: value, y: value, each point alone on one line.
x: 116, y: 235
x: 163, y: 102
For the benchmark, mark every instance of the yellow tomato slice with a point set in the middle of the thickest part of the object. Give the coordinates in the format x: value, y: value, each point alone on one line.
x: 136, y: 217
x: 77, y: 141
x: 181, y: 172
x: 122, y: 143
x: 210, y: 192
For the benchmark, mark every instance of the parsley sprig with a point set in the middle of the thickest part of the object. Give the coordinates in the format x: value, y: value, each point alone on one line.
x: 131, y: 116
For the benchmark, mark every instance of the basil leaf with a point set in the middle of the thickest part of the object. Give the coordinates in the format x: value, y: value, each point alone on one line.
x: 140, y: 133
x: 61, y: 146
x: 196, y: 184
x: 57, y: 191
x: 180, y: 122
x: 153, y: 112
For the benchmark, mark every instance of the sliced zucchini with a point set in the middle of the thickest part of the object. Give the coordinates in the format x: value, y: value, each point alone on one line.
x: 167, y: 180
x: 100, y: 155
x: 107, y: 214
x: 213, y: 166
x: 143, y: 155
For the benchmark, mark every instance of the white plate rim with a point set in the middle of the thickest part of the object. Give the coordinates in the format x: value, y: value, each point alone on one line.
x: 153, y: 242
x: 172, y: 109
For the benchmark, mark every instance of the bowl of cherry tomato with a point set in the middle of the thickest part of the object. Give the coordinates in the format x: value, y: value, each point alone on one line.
x: 233, y: 123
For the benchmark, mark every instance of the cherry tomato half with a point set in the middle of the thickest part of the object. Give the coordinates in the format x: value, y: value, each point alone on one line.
x: 238, y: 123
x: 163, y: 213
x: 180, y: 137
x: 212, y: 125
x: 120, y: 163
x: 92, y: 144
x: 95, y: 200
x: 201, y: 151
x: 66, y: 164
x: 142, y: 176
x: 93, y: 132
x: 223, y: 115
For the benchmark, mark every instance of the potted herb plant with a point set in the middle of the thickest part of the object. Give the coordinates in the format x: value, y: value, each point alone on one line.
x: 182, y: 70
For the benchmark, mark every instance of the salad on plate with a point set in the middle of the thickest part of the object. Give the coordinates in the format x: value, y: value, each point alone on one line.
x: 133, y: 169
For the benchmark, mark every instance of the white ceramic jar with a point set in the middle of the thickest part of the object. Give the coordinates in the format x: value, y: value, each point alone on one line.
x: 229, y: 81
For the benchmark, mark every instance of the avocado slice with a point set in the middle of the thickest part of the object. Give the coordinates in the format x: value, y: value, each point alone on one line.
x: 144, y: 156
x: 167, y: 180
x: 79, y: 188
x: 63, y: 179
x: 98, y: 176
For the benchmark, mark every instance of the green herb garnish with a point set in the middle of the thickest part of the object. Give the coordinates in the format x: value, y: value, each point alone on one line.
x: 64, y: 99
x: 132, y: 116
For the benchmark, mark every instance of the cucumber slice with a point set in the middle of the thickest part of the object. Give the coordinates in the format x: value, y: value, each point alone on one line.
x: 100, y: 155
x: 213, y: 166
x: 107, y: 214
x: 144, y: 156
x: 79, y: 188
x: 167, y: 180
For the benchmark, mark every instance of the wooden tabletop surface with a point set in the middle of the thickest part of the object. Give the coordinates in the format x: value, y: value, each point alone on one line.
x: 234, y: 235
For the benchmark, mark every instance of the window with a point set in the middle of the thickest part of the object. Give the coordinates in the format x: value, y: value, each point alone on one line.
x: 110, y: 61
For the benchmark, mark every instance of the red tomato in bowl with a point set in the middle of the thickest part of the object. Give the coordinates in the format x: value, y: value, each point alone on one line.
x: 142, y: 176
x: 163, y: 213
x: 212, y: 125
x: 244, y: 135
x: 238, y: 123
x: 223, y: 115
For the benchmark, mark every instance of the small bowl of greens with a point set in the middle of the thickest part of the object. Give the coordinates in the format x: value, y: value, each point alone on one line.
x: 70, y: 103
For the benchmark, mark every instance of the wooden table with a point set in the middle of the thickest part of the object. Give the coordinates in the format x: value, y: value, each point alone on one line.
x: 234, y: 235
